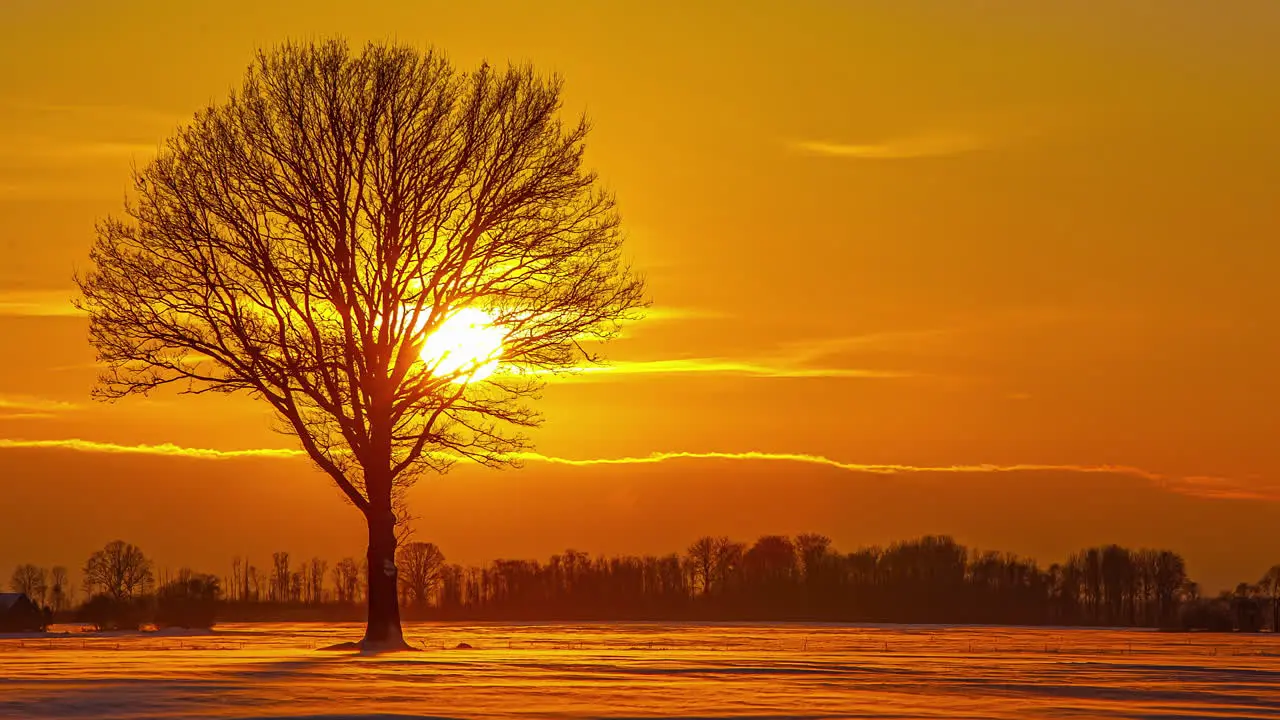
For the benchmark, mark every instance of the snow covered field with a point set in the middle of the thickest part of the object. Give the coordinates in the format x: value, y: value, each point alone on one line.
x: 645, y: 670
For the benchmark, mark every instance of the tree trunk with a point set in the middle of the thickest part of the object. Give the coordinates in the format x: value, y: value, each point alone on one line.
x: 383, y: 629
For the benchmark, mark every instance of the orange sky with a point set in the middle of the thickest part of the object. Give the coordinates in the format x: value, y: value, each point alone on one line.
x: 898, y: 233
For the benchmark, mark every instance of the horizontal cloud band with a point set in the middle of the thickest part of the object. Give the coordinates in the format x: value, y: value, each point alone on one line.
x: 145, y: 449
x: 658, y: 457
x: 1199, y: 486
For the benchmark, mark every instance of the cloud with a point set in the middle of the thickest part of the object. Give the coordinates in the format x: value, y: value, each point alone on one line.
x: 653, y: 458
x: 170, y: 449
x: 124, y: 113
x: 794, y: 360
x: 37, y: 303
x: 103, y: 149
x: 885, y: 340
x: 1220, y: 488
x: 28, y: 189
x: 57, y: 303
x: 1207, y: 487
x: 30, y: 404
x: 65, y: 150
x: 823, y: 357
x: 879, y: 469
x: 721, y: 366
x: 909, y: 147
x: 672, y: 313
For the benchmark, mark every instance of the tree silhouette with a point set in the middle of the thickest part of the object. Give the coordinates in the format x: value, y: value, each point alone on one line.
x: 119, y: 570
x: 235, y: 581
x: 315, y: 580
x: 420, y: 564
x: 346, y: 575
x: 931, y: 579
x: 728, y: 563
x: 189, y: 601
x: 30, y: 580
x: 59, y: 597
x: 1270, y: 586
x: 297, y: 583
x: 280, y: 576
x: 701, y: 557
x: 301, y: 241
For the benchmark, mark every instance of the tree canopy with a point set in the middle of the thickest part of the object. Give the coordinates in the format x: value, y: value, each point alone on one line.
x: 303, y: 239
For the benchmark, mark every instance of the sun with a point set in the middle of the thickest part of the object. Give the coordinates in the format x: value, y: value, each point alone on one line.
x: 465, y: 348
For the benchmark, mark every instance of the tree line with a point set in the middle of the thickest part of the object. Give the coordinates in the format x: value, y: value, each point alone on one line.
x: 932, y: 579
x: 121, y: 591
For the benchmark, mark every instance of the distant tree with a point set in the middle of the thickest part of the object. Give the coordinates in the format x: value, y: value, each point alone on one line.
x: 315, y: 576
x: 862, y: 567
x: 1245, y: 607
x: 817, y: 570
x: 1270, y: 585
x: 420, y: 566
x: 574, y: 563
x: 256, y: 581
x: 1169, y: 576
x: 301, y: 241
x: 303, y: 575
x: 119, y: 570
x: 297, y: 582
x: 32, y: 581
x: 729, y: 557
x: 1117, y: 578
x: 772, y: 559
x: 701, y: 557
x: 347, y: 579
x: 234, y: 587
x: 280, y: 576
x: 59, y: 586
x: 929, y: 579
x: 813, y: 550
x: 190, y: 600
x: 451, y: 588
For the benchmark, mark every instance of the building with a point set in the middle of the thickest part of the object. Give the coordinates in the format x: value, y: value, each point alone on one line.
x: 19, y: 614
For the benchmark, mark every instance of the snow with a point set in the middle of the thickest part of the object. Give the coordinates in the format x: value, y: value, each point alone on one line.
x: 638, y: 670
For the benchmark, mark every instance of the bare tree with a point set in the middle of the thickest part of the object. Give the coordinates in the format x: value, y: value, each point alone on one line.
x: 297, y: 583
x: 234, y: 591
x: 280, y: 576
x: 304, y: 240
x: 702, y: 562
x: 347, y: 579
x: 59, y: 597
x: 1270, y: 583
x: 119, y: 569
x: 31, y: 581
x: 315, y: 579
x: 812, y: 550
x: 255, y: 583
x: 729, y: 556
x: 420, y: 565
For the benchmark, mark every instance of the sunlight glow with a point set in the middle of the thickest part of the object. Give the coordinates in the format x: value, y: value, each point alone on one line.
x: 465, y: 348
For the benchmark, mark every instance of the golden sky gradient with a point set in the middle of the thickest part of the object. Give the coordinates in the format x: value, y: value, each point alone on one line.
x: 999, y: 269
